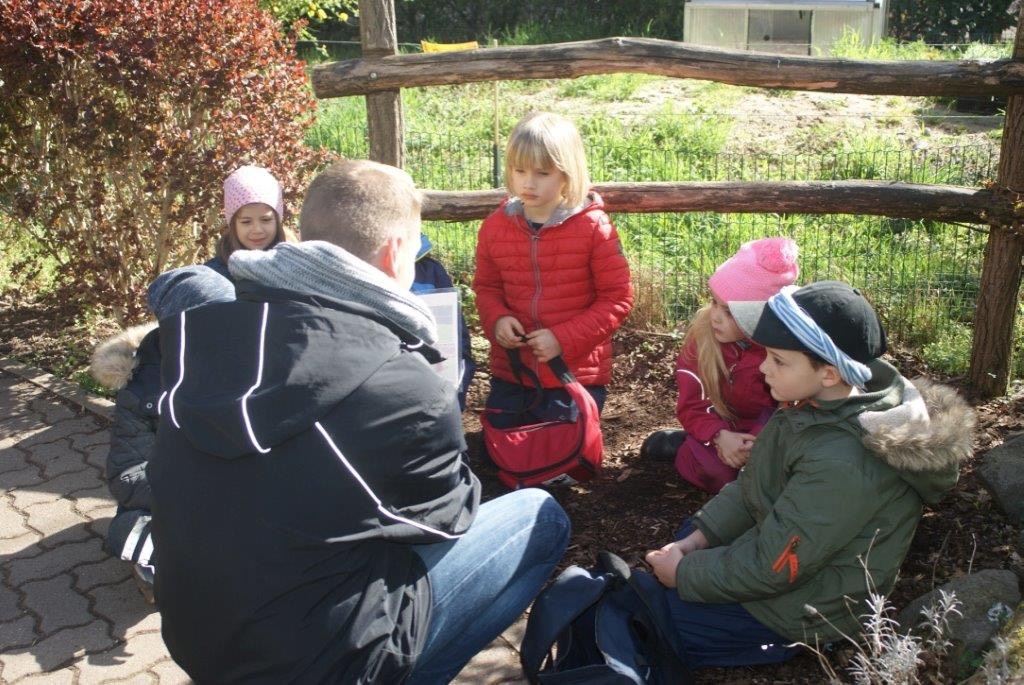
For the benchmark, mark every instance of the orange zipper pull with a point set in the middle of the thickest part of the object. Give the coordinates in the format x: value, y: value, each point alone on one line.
x: 788, y: 558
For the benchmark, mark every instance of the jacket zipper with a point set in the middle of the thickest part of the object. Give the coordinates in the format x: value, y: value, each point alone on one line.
x: 788, y: 558
x: 534, y: 249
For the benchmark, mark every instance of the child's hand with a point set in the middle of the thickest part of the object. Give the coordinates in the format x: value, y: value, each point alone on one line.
x: 734, y: 448
x: 544, y: 344
x: 664, y: 562
x: 509, y: 333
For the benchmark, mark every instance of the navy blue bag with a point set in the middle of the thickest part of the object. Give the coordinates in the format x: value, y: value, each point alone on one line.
x: 602, y: 626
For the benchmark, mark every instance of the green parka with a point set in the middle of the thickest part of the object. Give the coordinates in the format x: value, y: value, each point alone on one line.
x: 828, y: 490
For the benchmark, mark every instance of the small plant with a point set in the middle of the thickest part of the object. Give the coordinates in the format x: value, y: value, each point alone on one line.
x: 950, y: 351
x: 995, y: 665
x: 886, y: 655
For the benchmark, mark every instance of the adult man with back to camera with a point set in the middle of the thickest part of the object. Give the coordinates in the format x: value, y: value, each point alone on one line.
x: 315, y: 515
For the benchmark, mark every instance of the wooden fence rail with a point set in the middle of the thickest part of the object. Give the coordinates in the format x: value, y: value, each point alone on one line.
x: 879, y: 198
x: 668, y: 58
x: 382, y: 74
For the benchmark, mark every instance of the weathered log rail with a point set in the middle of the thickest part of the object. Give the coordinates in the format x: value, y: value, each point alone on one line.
x: 382, y: 74
x: 878, y: 198
x: 668, y: 58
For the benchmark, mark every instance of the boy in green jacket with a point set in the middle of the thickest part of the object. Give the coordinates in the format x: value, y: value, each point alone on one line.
x: 835, y: 484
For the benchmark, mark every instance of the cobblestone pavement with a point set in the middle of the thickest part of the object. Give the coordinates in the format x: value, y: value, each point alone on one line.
x: 69, y: 613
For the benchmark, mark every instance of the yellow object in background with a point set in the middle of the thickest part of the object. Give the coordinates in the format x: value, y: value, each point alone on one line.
x: 447, y: 47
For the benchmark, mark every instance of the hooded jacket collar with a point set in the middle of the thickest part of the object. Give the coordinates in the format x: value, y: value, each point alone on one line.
x: 320, y: 268
x: 245, y: 376
x: 514, y: 207
x: 921, y: 429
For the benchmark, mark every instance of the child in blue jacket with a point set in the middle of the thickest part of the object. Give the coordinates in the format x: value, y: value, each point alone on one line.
x: 431, y: 275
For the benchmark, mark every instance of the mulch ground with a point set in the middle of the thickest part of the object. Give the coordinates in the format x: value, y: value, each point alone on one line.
x: 636, y: 505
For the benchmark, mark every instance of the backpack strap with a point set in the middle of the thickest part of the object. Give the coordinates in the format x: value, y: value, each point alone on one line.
x: 656, y: 631
x: 520, y: 370
x: 652, y: 622
x: 574, y: 591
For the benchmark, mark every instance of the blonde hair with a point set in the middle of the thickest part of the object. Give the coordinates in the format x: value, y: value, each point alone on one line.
x: 229, y: 242
x: 710, y: 363
x: 544, y: 139
x: 358, y: 205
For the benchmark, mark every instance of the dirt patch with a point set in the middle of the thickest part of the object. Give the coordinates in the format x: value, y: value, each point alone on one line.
x: 785, y: 122
x: 637, y: 505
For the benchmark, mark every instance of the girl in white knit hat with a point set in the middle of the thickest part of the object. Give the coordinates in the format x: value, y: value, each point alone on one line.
x: 723, y: 400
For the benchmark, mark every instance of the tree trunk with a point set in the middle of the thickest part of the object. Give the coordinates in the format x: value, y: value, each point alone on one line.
x: 991, y: 352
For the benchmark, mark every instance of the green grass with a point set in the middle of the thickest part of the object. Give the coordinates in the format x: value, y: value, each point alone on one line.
x: 850, y: 46
x: 605, y: 87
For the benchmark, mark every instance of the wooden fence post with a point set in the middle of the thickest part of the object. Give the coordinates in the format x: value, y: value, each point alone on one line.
x: 1001, y: 274
x: 379, y: 38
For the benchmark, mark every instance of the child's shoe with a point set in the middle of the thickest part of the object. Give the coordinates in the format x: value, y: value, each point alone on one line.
x: 662, y: 445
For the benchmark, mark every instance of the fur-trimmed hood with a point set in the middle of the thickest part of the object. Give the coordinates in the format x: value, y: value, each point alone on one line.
x: 113, y: 360
x: 174, y: 291
x: 931, y: 429
x: 925, y: 436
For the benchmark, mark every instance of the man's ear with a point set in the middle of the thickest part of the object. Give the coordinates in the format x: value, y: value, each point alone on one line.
x: 387, y: 256
x: 830, y: 376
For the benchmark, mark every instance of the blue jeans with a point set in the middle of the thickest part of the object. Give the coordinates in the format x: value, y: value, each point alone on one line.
x: 483, y: 581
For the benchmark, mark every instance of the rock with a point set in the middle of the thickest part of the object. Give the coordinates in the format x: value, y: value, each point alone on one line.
x: 987, y: 601
x: 1002, y: 474
x: 1013, y: 632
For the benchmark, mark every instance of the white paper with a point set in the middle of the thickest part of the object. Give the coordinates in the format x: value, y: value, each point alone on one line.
x: 444, y: 304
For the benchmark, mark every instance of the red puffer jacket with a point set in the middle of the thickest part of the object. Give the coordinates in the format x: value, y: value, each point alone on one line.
x: 570, y: 277
x: 744, y: 391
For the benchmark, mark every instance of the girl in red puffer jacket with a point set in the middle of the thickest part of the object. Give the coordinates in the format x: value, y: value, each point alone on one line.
x: 723, y: 400
x: 551, y: 278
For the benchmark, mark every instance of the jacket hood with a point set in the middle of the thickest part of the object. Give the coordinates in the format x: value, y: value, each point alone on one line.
x: 514, y: 207
x: 921, y: 429
x: 244, y: 376
x: 425, y: 247
x: 113, y: 360
x: 926, y: 437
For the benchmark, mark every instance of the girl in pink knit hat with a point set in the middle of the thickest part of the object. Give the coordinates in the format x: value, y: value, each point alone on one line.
x: 723, y: 400
x: 253, y: 214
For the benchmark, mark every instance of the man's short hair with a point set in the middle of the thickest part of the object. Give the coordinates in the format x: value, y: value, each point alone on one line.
x: 358, y: 205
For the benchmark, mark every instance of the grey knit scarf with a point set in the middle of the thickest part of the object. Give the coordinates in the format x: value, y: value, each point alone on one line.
x: 320, y: 268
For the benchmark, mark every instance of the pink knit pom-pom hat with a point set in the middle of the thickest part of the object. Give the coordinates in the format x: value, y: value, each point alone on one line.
x: 249, y: 184
x: 758, y: 270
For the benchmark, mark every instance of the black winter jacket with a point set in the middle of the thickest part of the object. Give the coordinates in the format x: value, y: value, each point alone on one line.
x: 130, y: 361
x: 303, y: 447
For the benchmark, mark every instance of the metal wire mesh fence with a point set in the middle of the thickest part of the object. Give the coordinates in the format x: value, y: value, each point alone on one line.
x: 923, y: 276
